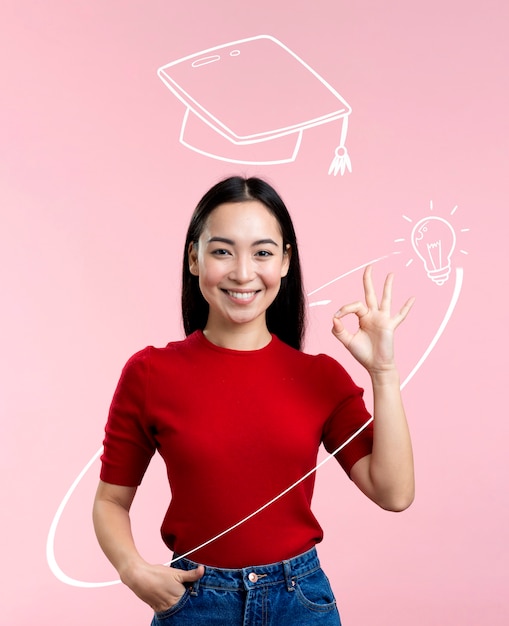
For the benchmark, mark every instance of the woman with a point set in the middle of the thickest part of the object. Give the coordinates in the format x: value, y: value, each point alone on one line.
x: 238, y: 412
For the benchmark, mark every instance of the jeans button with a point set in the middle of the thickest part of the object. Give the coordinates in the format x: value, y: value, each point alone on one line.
x: 253, y: 577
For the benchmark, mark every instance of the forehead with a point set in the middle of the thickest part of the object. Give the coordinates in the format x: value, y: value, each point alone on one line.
x: 250, y: 217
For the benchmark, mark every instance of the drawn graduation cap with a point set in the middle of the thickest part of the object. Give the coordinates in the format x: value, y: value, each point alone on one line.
x: 250, y: 101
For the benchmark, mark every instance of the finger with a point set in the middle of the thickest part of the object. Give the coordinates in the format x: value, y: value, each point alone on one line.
x: 357, y: 308
x: 191, y: 575
x: 340, y: 332
x: 385, y: 303
x: 369, y: 288
x: 404, y: 311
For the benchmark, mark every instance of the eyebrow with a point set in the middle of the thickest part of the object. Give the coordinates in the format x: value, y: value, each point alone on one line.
x: 230, y: 242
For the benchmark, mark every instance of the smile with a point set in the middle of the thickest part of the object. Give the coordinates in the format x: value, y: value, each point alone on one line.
x: 241, y: 295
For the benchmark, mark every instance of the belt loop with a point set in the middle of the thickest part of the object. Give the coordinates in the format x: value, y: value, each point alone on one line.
x: 287, y: 568
x: 195, y: 587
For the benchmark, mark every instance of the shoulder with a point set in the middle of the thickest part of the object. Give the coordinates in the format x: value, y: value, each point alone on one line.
x: 320, y: 360
x: 320, y: 365
x: 172, y: 348
x: 144, y: 357
x: 154, y: 358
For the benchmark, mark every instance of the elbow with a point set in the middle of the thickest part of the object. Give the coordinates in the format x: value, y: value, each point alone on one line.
x: 393, y: 491
x: 397, y: 503
x: 397, y: 496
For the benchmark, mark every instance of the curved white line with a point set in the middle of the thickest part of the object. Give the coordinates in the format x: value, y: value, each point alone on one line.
x: 441, y: 328
x: 320, y: 303
x: 355, y: 269
x: 50, y: 544
x: 280, y: 495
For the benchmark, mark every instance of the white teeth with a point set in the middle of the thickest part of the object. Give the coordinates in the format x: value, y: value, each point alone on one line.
x: 241, y: 295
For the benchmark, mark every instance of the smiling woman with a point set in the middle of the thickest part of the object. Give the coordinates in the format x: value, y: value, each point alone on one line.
x: 239, y: 260
x: 285, y: 317
x: 240, y: 374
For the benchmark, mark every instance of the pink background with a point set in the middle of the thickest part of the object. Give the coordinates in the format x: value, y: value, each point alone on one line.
x: 95, y: 196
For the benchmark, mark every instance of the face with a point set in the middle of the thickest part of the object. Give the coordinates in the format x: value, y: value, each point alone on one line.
x: 239, y: 260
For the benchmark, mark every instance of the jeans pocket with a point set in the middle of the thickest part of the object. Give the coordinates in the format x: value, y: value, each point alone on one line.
x: 160, y: 616
x: 314, y: 592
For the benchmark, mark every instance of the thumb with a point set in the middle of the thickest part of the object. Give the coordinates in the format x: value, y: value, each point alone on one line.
x: 339, y: 331
x: 189, y: 576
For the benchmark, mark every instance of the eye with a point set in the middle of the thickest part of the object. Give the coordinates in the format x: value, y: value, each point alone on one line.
x: 220, y: 252
x: 264, y: 253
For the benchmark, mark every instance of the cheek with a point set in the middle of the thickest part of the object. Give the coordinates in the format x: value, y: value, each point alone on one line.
x: 273, y: 277
x: 209, y: 275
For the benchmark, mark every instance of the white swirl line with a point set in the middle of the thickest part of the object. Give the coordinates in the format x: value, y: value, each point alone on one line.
x: 50, y: 543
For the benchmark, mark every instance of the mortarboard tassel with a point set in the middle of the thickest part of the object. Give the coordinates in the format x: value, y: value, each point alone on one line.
x: 341, y: 161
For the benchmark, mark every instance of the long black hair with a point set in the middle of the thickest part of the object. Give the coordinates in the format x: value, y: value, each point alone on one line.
x: 286, y: 315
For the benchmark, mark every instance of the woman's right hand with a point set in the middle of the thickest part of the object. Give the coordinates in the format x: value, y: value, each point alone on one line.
x: 159, y: 586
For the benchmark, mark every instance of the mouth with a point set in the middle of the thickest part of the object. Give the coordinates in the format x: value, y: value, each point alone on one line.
x: 240, y: 295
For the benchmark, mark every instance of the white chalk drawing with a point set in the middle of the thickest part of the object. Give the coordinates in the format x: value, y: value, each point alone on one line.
x: 434, y: 240
x: 50, y: 543
x: 250, y: 101
x: 333, y: 280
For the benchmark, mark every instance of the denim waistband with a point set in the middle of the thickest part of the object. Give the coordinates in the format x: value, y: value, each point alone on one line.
x: 256, y: 576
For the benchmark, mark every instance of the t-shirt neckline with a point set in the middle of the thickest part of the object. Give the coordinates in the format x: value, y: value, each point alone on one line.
x: 212, y: 346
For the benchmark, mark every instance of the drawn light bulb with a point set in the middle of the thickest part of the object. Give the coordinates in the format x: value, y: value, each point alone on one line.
x: 434, y: 239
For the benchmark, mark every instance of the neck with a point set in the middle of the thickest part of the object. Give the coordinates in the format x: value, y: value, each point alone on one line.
x: 238, y: 338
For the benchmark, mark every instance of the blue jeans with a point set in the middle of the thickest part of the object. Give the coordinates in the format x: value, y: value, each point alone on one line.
x: 291, y: 593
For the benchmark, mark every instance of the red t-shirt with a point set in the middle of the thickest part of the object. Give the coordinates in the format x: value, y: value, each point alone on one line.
x: 235, y: 428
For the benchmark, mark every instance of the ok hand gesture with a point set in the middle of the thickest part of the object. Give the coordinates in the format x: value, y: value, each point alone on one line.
x: 373, y: 342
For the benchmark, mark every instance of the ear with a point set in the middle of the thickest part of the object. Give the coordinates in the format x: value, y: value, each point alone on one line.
x: 287, y: 257
x: 192, y: 256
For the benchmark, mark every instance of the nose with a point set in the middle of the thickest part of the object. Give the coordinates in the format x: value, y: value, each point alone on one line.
x: 243, y: 270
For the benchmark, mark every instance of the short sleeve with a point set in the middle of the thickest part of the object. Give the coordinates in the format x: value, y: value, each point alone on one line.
x: 349, y: 415
x: 128, y: 443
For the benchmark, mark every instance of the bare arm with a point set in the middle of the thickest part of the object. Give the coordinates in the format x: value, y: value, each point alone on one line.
x: 159, y: 586
x: 387, y: 475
